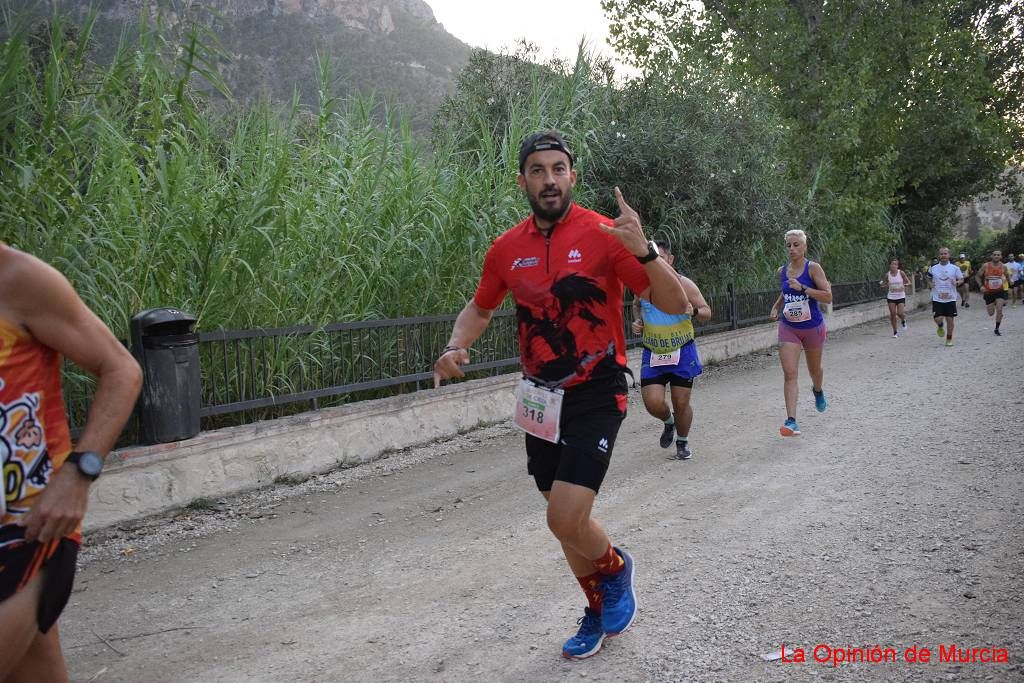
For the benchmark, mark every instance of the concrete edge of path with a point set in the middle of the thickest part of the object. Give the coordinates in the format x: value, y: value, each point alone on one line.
x: 149, y: 480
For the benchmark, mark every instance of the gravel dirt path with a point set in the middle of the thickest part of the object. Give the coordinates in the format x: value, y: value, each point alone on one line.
x: 895, y: 520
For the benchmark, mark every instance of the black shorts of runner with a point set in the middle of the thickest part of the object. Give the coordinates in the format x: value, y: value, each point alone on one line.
x: 669, y: 378
x: 54, y: 561
x: 591, y: 417
x: 990, y: 297
x: 897, y: 302
x: 942, y: 309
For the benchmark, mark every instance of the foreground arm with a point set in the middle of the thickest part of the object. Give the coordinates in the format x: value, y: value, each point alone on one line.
x: 49, y: 308
x: 666, y: 292
x: 470, y: 324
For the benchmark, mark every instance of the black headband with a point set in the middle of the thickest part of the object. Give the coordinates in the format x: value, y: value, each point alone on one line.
x: 539, y: 142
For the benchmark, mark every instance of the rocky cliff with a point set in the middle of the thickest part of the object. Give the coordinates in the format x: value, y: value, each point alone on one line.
x: 365, y: 15
x: 394, y: 48
x: 362, y: 15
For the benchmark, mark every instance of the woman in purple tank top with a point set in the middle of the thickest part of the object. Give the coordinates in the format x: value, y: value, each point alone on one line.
x: 801, y: 327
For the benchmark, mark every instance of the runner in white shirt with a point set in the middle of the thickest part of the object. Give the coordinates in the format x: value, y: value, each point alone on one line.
x: 945, y: 277
x: 1016, y: 268
x: 895, y: 281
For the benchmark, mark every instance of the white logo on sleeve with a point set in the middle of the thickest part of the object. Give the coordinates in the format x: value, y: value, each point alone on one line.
x: 602, y: 445
x: 575, y: 256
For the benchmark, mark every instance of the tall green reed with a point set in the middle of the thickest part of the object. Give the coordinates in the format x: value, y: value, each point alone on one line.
x: 145, y: 192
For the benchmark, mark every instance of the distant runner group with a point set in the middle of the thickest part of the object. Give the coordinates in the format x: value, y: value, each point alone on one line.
x: 999, y: 282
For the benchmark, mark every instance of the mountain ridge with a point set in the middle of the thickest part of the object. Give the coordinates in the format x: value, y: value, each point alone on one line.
x: 394, y: 48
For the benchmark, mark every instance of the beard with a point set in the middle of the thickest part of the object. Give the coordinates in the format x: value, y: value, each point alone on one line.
x: 549, y: 214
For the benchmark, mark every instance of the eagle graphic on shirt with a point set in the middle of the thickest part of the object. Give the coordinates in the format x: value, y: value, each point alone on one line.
x: 557, y: 325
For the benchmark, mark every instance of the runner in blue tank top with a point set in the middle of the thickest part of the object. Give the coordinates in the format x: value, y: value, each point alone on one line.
x: 670, y: 357
x: 801, y: 325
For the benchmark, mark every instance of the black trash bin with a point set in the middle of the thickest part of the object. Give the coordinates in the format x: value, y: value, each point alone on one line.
x: 168, y: 351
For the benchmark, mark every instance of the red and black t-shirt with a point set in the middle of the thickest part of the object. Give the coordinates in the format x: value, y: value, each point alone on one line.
x: 568, y: 293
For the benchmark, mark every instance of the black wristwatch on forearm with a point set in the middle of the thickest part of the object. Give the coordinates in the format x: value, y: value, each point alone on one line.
x: 89, y: 463
x: 652, y: 253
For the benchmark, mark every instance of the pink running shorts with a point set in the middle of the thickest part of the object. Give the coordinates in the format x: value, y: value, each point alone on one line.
x: 808, y: 338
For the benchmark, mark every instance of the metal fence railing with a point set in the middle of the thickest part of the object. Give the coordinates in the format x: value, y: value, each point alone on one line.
x: 249, y: 375
x: 850, y: 293
x: 259, y: 368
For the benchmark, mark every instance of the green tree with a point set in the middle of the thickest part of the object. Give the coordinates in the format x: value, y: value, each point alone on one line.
x: 896, y: 112
x: 705, y: 170
x: 702, y: 165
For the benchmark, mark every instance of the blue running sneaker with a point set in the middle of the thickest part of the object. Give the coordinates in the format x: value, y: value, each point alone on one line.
x: 588, y: 639
x: 790, y: 428
x: 618, y: 606
x: 819, y: 401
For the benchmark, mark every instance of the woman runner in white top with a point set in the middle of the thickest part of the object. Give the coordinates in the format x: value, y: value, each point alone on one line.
x: 896, y: 282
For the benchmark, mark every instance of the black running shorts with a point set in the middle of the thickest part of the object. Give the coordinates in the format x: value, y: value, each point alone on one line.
x: 668, y: 378
x: 21, y: 562
x: 942, y: 309
x: 591, y: 416
x: 990, y: 297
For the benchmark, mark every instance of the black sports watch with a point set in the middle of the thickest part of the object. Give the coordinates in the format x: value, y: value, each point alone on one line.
x: 90, y: 464
x: 652, y: 253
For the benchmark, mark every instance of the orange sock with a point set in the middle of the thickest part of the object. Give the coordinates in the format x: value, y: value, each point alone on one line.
x: 592, y: 587
x: 610, y: 563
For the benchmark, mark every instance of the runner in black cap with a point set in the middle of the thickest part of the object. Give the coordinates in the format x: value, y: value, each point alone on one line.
x: 565, y: 267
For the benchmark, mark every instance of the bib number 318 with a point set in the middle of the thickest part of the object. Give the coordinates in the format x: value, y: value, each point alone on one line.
x: 538, y: 410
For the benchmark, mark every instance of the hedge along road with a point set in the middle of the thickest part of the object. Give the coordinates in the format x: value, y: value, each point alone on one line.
x: 893, y: 521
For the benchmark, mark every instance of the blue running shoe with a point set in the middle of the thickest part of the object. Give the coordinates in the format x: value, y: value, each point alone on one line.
x: 819, y: 401
x: 588, y: 639
x: 618, y: 606
x: 790, y: 428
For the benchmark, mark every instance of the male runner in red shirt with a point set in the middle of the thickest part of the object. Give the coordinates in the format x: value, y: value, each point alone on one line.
x: 565, y: 267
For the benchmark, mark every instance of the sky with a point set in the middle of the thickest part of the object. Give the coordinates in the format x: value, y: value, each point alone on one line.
x: 556, y: 26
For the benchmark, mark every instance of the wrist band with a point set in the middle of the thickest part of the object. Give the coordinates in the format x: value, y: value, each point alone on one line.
x: 450, y: 347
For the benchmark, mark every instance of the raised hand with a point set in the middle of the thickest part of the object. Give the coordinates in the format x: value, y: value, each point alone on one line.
x: 627, y: 227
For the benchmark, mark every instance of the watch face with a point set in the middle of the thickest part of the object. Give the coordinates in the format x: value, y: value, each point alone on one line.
x: 90, y: 464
